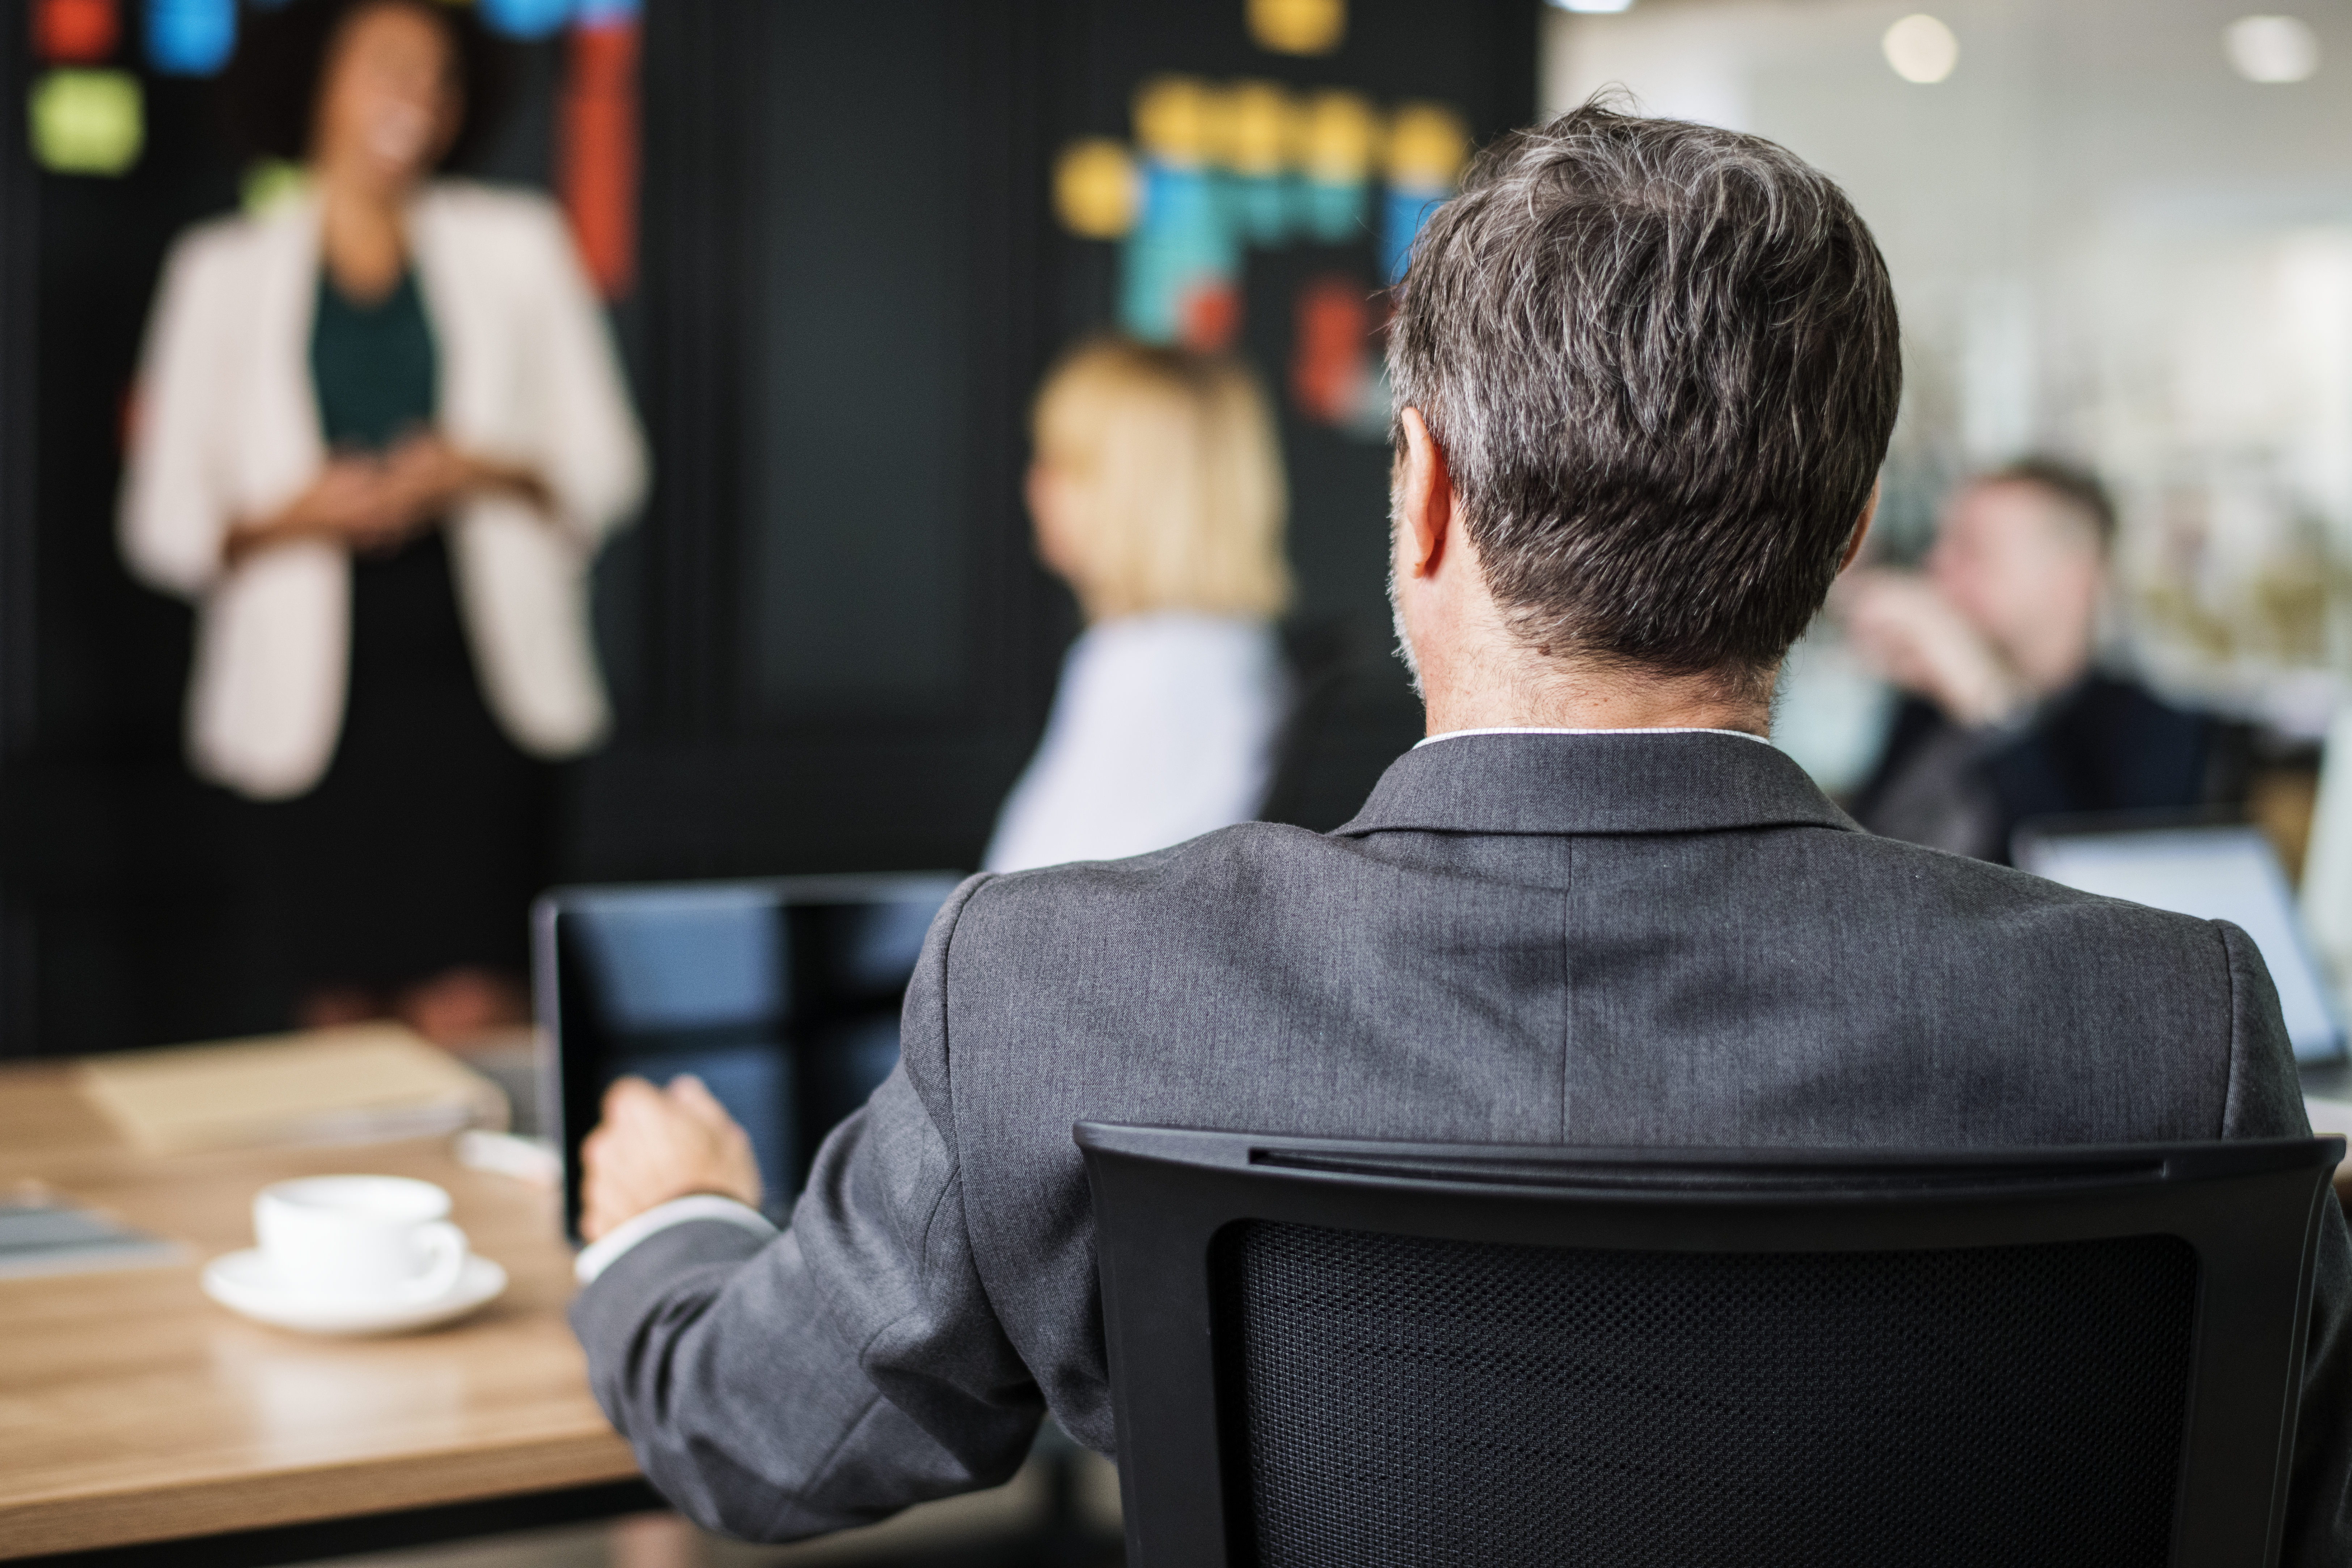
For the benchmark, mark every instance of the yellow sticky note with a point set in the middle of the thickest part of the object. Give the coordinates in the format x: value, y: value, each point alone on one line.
x: 1096, y: 188
x: 1298, y: 27
x: 1428, y: 144
x: 86, y: 123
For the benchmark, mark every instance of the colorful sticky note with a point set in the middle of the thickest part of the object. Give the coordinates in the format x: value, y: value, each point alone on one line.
x: 1328, y: 363
x: 1404, y: 210
x: 598, y: 167
x: 190, y: 38
x: 1297, y: 26
x: 1428, y: 143
x: 86, y: 123
x: 75, y: 31
x: 269, y: 183
x: 1096, y: 188
x: 1183, y: 250
x: 526, y: 19
x: 1176, y: 119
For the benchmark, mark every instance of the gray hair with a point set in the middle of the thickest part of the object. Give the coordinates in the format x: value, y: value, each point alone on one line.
x: 1663, y: 362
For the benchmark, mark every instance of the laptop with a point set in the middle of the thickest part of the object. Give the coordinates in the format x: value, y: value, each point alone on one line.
x: 2213, y: 870
x: 781, y: 995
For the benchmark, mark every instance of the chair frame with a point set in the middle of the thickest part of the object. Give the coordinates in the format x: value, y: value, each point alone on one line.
x: 2250, y: 1208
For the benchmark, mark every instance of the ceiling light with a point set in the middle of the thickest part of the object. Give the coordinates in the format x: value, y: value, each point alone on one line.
x: 1921, y: 48
x: 1594, y: 7
x: 2271, y: 48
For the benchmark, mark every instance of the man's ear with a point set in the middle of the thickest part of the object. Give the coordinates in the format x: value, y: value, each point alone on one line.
x: 1424, y: 498
x: 1861, y: 529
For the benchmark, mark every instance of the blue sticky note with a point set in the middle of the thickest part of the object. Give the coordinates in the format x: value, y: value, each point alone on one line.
x: 526, y: 19
x: 190, y: 38
x: 1403, y: 214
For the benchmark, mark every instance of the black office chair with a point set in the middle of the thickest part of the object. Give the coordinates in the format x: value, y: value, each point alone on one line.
x: 1356, y: 1354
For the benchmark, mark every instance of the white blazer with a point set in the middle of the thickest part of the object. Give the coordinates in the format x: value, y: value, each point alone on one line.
x: 227, y: 427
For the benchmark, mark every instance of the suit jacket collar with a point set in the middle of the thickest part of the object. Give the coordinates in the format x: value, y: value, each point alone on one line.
x: 1659, y: 782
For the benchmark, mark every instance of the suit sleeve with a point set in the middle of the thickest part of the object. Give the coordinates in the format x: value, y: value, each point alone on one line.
x: 845, y: 1369
x: 2265, y: 1100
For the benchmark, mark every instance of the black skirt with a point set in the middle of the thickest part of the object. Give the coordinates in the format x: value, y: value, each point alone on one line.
x: 422, y: 848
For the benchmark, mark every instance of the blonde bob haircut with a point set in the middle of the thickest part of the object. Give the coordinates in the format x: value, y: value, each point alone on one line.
x: 1174, y: 478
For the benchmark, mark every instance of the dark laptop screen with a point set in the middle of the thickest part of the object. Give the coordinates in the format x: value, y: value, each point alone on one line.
x: 782, y: 996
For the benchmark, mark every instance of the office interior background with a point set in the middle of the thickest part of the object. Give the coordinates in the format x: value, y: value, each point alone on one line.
x: 854, y: 237
x: 829, y: 644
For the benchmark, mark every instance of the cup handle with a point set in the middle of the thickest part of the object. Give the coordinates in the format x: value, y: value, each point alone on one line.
x: 448, y: 1245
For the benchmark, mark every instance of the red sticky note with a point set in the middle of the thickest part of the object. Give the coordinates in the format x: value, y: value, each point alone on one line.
x: 75, y: 31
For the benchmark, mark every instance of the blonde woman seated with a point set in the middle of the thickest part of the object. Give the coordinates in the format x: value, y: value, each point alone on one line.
x: 1158, y: 496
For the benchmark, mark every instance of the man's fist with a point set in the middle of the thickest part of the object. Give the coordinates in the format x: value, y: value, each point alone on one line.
x: 654, y: 1144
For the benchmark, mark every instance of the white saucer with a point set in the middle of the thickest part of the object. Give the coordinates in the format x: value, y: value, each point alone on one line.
x: 243, y: 1283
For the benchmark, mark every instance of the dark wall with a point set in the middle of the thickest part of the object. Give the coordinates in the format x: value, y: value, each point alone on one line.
x: 120, y: 916
x: 855, y: 282
x: 842, y: 650
x: 112, y: 857
x: 829, y: 647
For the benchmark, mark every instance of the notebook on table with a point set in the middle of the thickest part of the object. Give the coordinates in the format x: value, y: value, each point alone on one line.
x: 359, y: 1084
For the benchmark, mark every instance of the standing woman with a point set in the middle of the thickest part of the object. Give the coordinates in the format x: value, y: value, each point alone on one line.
x: 380, y: 432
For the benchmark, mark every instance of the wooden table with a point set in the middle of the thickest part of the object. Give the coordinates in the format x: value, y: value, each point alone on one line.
x: 134, y: 1409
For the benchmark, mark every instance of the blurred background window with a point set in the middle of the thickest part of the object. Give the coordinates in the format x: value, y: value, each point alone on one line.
x: 2121, y: 234
x: 2121, y: 231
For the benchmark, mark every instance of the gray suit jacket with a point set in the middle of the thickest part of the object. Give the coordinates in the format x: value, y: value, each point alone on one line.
x: 1608, y: 939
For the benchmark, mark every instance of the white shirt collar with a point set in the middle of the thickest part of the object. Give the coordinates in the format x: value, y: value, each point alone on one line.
x: 1538, y: 729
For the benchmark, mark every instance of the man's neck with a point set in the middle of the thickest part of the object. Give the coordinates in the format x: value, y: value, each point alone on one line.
x: 1528, y: 690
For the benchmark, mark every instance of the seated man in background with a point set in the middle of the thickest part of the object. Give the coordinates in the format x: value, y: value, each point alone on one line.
x: 1646, y: 372
x: 2005, y: 718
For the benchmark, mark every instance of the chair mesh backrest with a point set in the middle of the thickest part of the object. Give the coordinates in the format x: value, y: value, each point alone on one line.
x: 1397, y: 1400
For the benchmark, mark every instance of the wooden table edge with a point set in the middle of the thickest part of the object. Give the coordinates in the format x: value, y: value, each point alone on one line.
x: 208, y: 1506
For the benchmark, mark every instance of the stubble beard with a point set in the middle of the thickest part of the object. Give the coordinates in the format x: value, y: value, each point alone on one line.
x: 1396, y: 606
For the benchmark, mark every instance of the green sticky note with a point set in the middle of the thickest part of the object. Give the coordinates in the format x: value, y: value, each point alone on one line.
x: 86, y: 123
x: 269, y: 183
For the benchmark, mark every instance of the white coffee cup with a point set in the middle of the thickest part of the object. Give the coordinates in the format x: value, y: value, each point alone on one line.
x: 359, y: 1238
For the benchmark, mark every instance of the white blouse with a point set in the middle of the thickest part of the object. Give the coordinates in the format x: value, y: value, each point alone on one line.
x: 1163, y: 728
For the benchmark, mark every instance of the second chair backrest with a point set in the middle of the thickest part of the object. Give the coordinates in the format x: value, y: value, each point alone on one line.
x: 1331, y: 1353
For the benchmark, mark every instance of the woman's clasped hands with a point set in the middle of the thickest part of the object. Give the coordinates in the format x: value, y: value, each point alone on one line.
x: 372, y: 503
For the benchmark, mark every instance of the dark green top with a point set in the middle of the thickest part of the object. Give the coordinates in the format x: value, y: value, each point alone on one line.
x: 374, y: 366
x: 419, y: 851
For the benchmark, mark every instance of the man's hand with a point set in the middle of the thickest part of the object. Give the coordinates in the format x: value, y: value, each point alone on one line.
x: 1916, y: 637
x: 654, y: 1144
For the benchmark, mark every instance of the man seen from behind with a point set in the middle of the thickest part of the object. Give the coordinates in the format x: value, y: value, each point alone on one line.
x: 1645, y: 375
